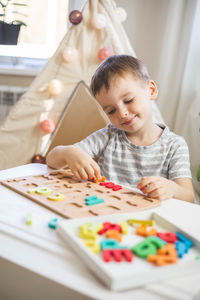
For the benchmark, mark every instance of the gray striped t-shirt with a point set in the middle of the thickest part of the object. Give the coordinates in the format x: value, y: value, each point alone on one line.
x: 125, y: 163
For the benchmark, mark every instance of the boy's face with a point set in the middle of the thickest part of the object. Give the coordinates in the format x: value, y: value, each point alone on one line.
x: 127, y: 103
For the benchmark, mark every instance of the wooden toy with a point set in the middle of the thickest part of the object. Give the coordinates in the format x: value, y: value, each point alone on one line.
x: 153, y: 258
x: 50, y: 189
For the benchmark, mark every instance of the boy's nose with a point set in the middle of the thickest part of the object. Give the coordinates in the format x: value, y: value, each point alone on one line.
x: 123, y: 113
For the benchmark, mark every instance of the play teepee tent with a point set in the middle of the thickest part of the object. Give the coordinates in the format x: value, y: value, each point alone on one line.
x: 60, y: 92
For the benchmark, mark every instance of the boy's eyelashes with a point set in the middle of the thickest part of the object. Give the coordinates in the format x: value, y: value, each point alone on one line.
x: 112, y: 111
x: 128, y: 101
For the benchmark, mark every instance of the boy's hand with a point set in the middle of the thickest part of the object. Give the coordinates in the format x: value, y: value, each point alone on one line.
x: 157, y: 187
x: 81, y: 164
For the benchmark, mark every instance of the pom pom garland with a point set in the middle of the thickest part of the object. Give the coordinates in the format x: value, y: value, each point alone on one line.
x: 70, y: 54
x: 48, y: 125
x: 98, y: 21
x: 104, y: 53
x: 55, y: 87
x: 121, y: 14
x: 38, y: 159
x: 75, y: 17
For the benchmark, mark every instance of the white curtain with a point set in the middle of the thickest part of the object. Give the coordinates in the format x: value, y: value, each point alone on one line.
x: 179, y: 76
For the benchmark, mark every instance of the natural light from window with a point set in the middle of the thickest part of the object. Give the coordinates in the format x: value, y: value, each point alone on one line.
x: 46, y: 26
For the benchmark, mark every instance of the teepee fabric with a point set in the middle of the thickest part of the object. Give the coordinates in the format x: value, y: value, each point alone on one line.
x: 21, y: 136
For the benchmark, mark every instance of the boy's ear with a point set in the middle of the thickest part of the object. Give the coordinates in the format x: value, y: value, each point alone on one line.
x: 153, y: 90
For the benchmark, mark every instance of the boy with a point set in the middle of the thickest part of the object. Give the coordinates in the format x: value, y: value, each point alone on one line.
x: 132, y: 150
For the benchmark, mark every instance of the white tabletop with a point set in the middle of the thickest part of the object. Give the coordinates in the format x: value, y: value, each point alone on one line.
x: 40, y: 250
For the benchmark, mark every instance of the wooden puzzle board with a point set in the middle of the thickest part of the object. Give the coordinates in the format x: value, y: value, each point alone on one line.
x: 126, y: 275
x: 73, y: 206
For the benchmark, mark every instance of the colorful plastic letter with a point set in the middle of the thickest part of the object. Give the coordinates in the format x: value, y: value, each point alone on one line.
x: 114, y: 234
x: 95, y: 180
x: 144, y: 248
x: 53, y: 223
x: 148, y: 246
x: 117, y: 188
x: 109, y: 226
x: 124, y: 227
x: 144, y: 222
x: 57, y: 197
x: 169, y: 237
x: 183, y: 239
x: 94, y: 227
x: 92, y: 200
x: 142, y: 230
x: 29, y: 218
x: 87, y: 234
x: 165, y: 256
x: 106, y: 226
x: 110, y: 185
x: 117, y: 254
x: 43, y: 190
x: 94, y: 247
x: 181, y: 248
x: 109, y: 244
x: 159, y: 243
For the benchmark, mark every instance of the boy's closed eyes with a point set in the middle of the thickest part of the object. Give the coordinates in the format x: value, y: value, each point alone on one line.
x: 112, y: 111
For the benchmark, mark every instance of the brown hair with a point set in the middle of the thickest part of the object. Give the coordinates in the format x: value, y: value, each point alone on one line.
x: 117, y: 65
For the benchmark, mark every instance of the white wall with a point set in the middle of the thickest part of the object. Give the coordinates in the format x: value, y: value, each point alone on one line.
x: 145, y: 26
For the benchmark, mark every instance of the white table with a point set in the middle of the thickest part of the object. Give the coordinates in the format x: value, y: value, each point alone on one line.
x: 36, y: 264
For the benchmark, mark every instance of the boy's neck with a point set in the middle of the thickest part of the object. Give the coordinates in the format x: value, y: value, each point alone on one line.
x: 146, y: 138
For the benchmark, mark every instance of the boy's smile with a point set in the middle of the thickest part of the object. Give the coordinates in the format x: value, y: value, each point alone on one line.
x: 128, y: 106
x: 129, y: 121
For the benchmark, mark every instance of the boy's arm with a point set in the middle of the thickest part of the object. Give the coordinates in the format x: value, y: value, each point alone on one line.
x: 80, y: 163
x: 162, y: 188
x: 183, y: 189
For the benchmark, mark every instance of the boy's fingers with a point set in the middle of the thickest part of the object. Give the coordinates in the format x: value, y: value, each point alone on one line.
x: 159, y: 194
x: 76, y: 175
x: 83, y: 174
x: 90, y: 172
x: 143, y: 184
x: 146, y: 183
x: 97, y: 171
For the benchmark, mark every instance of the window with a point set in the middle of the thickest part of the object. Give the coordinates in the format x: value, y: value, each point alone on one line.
x: 46, y: 25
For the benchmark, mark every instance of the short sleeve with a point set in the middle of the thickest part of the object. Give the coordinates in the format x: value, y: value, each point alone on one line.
x: 179, y: 166
x: 95, y: 143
